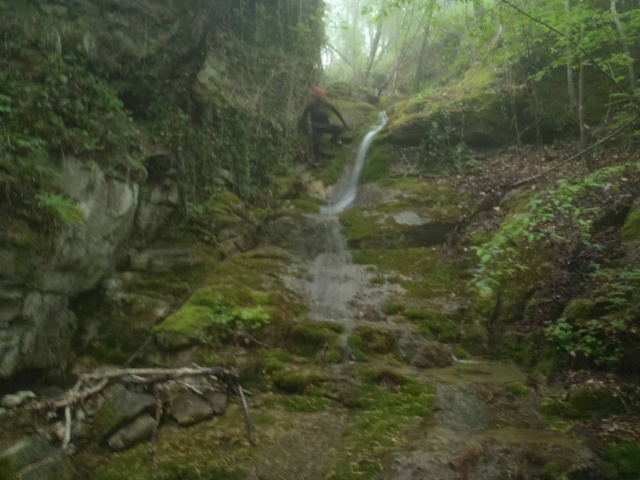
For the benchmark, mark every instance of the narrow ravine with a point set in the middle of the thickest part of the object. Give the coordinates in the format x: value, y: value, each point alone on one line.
x: 486, y: 424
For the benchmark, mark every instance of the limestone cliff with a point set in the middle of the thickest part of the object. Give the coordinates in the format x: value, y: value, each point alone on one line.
x: 115, y: 113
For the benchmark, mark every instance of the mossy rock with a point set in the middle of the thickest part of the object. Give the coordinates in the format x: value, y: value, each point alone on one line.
x: 435, y: 325
x: 214, y: 311
x: 631, y: 227
x: 227, y: 210
x: 376, y: 340
x: 312, y: 338
x: 527, y: 349
x: 356, y: 346
x: 377, y: 164
x: 305, y: 404
x: 420, y: 214
x: 586, y: 309
x: 518, y: 389
x: 296, y: 381
x: 476, y: 116
x: 586, y: 402
x: 622, y: 460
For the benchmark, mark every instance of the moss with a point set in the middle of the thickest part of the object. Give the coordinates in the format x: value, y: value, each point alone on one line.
x: 377, y: 164
x: 518, y: 389
x: 460, y: 353
x: 382, y: 226
x: 375, y: 340
x: 622, y: 460
x: 437, y: 277
x: 476, y: 237
x: 227, y: 210
x: 392, y: 308
x: 434, y: 325
x: 584, y: 403
x: 310, y: 338
x: 585, y: 309
x: 631, y: 227
x: 528, y: 349
x: 388, y: 411
x: 355, y: 343
x: 294, y: 381
x: 305, y: 404
x: 306, y: 204
x: 211, y: 311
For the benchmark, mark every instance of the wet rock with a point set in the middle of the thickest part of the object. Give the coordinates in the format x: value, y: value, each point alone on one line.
x: 41, y: 332
x: 218, y: 401
x: 10, y: 303
x: 142, y: 428
x: 162, y: 260
x: 421, y: 353
x: 188, y: 409
x: 34, y: 459
x: 120, y: 406
x: 631, y: 227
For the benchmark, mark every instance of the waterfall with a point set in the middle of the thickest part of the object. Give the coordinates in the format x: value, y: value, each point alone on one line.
x: 350, y: 194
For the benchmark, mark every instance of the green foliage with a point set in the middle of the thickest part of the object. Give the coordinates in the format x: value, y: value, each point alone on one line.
x: 560, y: 217
x: 51, y: 105
x: 211, y: 315
x: 441, y: 152
x: 390, y: 404
x: 62, y: 208
x: 598, y: 329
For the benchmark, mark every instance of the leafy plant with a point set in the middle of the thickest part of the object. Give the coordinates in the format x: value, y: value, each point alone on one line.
x: 600, y: 331
x: 560, y: 217
x: 62, y: 208
x: 440, y: 150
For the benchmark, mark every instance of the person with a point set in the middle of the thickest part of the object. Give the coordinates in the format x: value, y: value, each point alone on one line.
x: 318, y: 110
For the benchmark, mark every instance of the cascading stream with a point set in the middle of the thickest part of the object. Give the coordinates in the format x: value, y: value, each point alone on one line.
x: 352, y: 188
x: 339, y: 290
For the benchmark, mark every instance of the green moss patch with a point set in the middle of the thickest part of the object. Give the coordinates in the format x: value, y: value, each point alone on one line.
x: 375, y: 340
x: 622, y: 460
x: 582, y: 403
x: 296, y: 381
x: 241, y: 295
x: 421, y: 214
x: 390, y: 407
x: 518, y: 389
x: 377, y: 164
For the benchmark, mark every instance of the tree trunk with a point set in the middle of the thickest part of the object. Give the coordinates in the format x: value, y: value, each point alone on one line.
x: 571, y: 88
x: 423, y: 47
x: 374, y: 49
x: 625, y: 44
x: 581, y: 123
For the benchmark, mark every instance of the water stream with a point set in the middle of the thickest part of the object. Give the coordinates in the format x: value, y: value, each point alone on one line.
x: 349, y: 194
x: 479, y: 431
x: 340, y: 290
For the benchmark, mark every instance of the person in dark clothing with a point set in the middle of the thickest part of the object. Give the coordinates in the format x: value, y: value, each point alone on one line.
x: 318, y: 111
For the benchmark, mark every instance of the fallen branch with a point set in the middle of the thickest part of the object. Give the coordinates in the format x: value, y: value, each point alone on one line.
x: 245, y: 408
x: 90, y: 384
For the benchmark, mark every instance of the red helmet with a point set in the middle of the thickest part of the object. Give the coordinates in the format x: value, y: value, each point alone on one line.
x: 317, y: 92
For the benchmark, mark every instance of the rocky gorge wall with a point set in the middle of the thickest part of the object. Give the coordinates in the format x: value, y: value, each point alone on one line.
x: 114, y: 114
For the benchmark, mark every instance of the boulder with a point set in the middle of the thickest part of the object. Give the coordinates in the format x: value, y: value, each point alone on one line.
x: 189, y: 408
x: 218, y: 401
x: 120, y: 406
x: 421, y: 353
x: 34, y: 459
x: 142, y: 428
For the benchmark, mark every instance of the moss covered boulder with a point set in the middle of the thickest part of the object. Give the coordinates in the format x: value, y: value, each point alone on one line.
x: 631, y: 228
x: 34, y: 459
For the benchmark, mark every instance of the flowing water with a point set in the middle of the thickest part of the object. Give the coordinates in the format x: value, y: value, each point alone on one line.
x: 349, y: 195
x: 480, y: 431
